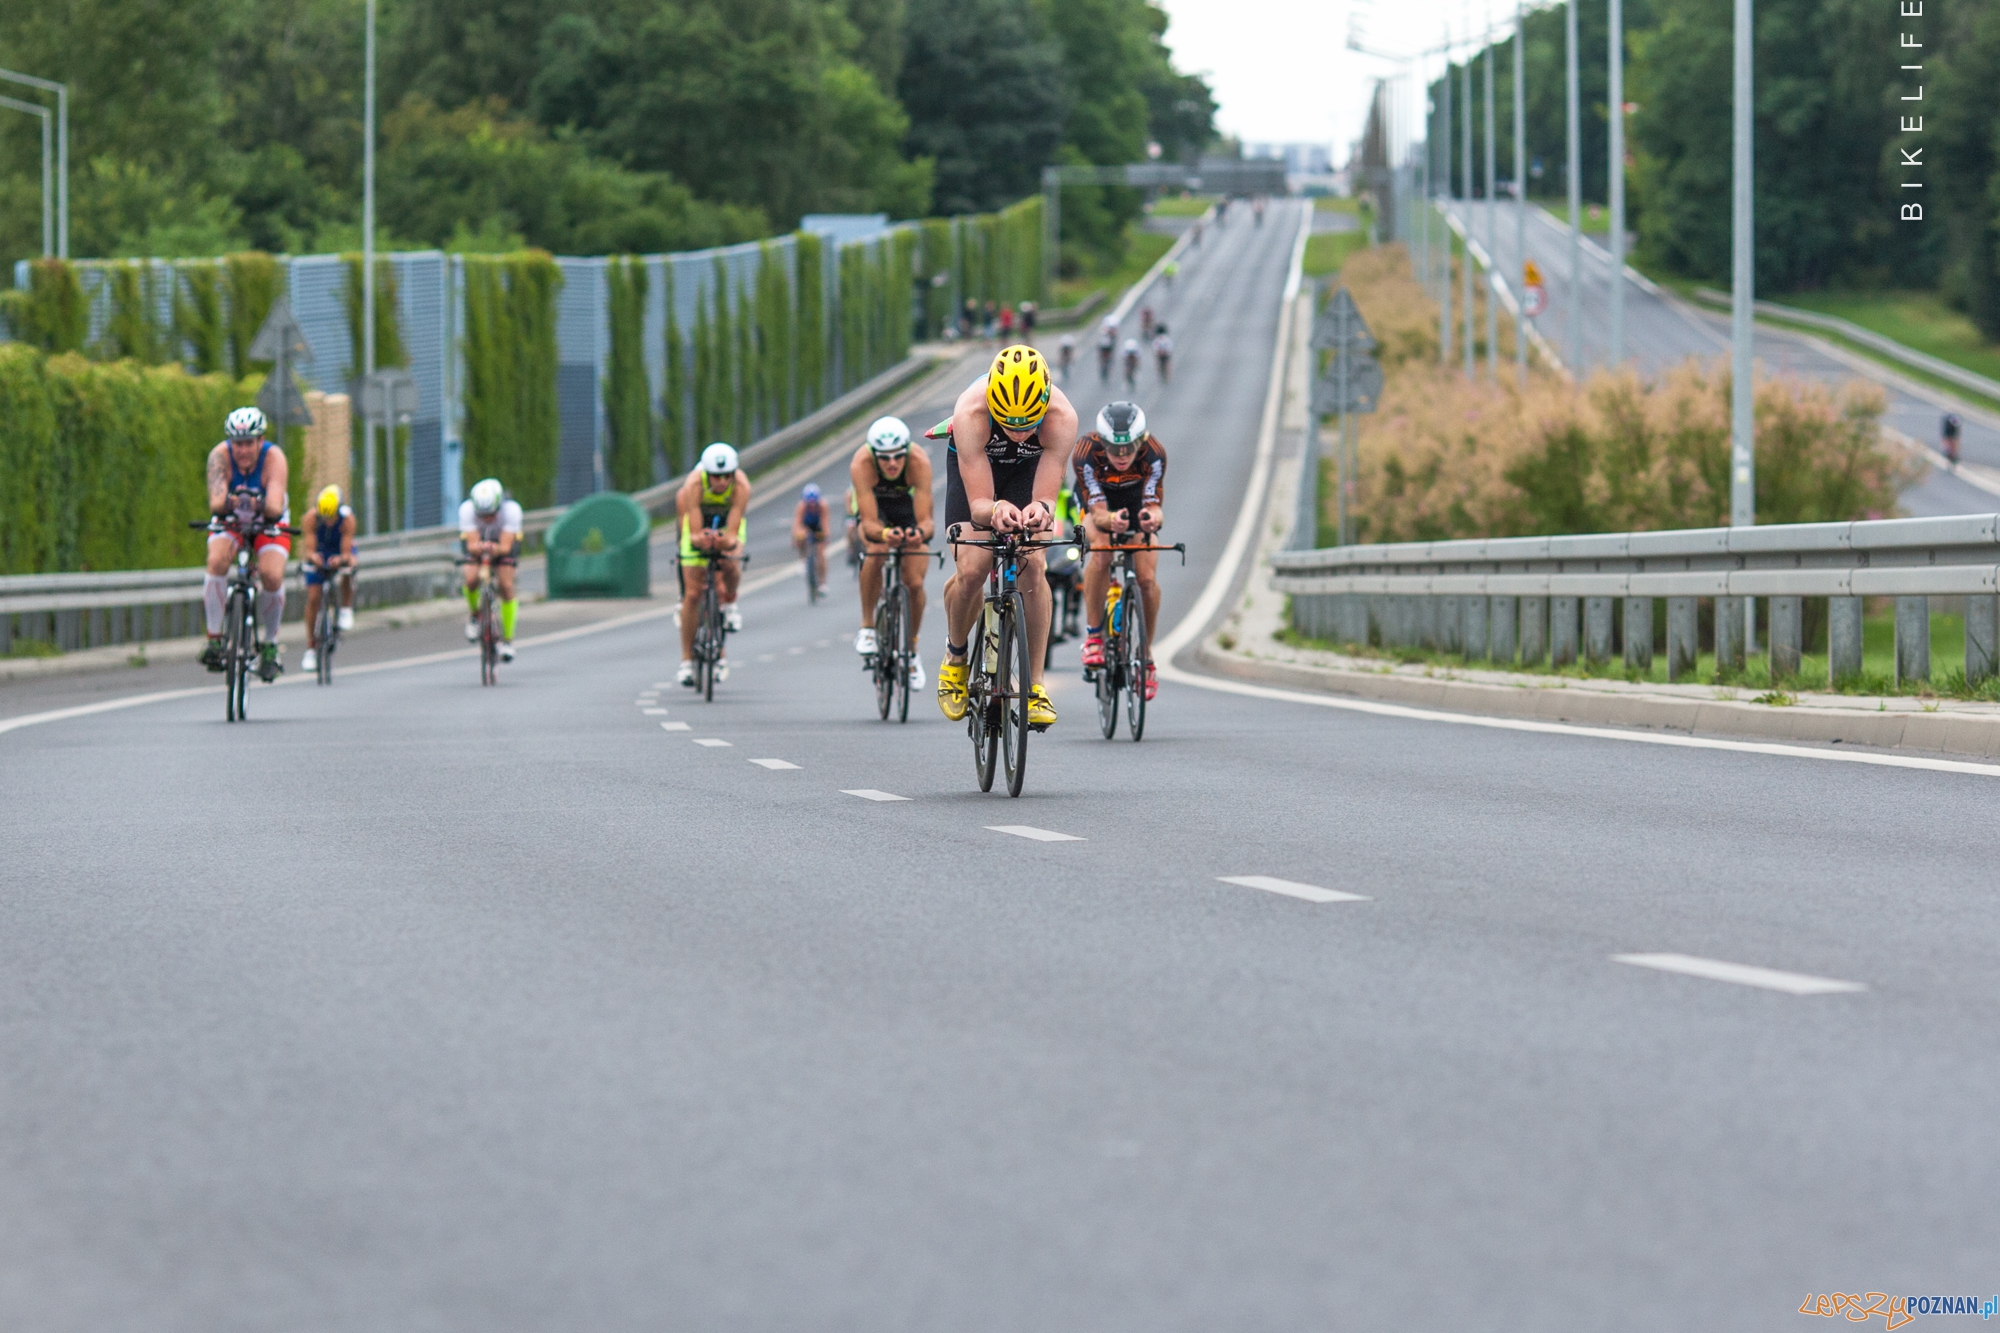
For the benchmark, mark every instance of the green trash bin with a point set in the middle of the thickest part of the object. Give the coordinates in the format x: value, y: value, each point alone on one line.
x: 599, y: 549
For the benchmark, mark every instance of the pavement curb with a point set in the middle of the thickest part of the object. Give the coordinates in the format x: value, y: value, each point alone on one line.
x: 1942, y: 733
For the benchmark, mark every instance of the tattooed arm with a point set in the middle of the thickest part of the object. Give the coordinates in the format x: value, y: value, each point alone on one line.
x: 218, y: 479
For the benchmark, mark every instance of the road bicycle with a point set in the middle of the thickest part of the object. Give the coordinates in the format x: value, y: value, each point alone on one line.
x: 486, y: 615
x: 711, y: 627
x: 814, y: 589
x: 1065, y: 575
x: 1131, y: 372
x: 1104, y: 355
x: 998, y: 682
x: 239, y: 622
x: 890, y: 666
x: 326, y: 629
x: 1127, y: 651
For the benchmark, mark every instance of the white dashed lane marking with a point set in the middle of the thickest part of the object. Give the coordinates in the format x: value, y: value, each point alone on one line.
x: 663, y: 685
x: 1312, y: 893
x: 1741, y: 974
x: 711, y: 742
x: 1033, y: 833
x: 870, y: 794
x: 673, y: 726
x: 773, y: 764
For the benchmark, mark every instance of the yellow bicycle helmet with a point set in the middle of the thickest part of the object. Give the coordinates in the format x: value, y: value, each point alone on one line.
x: 1017, y: 388
x: 329, y: 502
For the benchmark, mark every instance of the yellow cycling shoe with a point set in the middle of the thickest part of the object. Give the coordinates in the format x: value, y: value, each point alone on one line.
x: 1041, y: 713
x: 951, y: 689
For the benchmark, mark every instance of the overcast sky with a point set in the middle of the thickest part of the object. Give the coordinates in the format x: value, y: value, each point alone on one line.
x: 1281, y: 68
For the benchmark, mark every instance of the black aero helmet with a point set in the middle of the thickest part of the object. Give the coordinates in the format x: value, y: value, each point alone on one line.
x: 1122, y: 423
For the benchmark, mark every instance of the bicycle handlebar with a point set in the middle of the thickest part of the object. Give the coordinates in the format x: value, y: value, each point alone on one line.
x: 227, y: 523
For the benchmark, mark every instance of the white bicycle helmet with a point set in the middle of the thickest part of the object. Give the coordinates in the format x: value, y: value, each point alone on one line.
x: 889, y: 437
x: 245, y: 423
x: 1122, y: 423
x: 718, y: 459
x: 487, y: 495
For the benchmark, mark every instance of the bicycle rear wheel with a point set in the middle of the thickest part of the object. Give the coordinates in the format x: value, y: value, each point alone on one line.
x: 1107, y: 689
x: 1135, y: 668
x: 885, y: 655
x: 903, y: 654
x: 1013, y: 691
x: 812, y: 572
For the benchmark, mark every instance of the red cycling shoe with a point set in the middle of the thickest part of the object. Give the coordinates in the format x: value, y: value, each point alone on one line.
x: 1152, y: 681
x: 1093, y: 651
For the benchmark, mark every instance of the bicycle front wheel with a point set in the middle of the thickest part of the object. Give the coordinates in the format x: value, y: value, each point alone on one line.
x: 904, y: 655
x: 239, y: 631
x: 1135, y: 671
x: 1013, y: 690
x: 981, y: 723
x: 329, y: 635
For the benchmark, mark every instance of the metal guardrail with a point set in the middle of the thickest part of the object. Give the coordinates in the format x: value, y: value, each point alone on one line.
x: 1518, y: 598
x: 1889, y: 347
x: 84, y: 610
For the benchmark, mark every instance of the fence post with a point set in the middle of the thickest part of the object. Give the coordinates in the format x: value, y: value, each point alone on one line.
x: 1639, y: 633
x: 1843, y: 639
x: 1913, y: 639
x: 1597, y: 630
x: 1683, y: 636
x: 1787, y: 635
x: 1501, y: 638
x: 1534, y: 631
x: 1980, y: 622
x: 1476, y: 642
x: 1728, y: 635
x: 1562, y: 631
x: 1451, y: 624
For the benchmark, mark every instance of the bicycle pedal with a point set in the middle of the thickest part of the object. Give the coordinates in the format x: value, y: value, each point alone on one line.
x: 1040, y: 726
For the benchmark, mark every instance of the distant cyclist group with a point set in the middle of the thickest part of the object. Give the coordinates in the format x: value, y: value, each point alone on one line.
x: 1018, y: 469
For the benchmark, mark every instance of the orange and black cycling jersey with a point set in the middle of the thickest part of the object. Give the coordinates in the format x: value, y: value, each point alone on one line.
x: 1143, y: 477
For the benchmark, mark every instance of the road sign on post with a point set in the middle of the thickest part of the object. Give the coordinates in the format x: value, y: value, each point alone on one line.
x: 281, y: 341
x: 387, y: 399
x: 1350, y: 383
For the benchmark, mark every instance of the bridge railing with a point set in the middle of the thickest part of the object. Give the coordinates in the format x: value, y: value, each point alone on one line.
x: 1535, y: 600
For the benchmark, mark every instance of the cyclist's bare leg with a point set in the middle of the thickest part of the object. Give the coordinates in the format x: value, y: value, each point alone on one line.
x: 697, y: 584
x: 1034, y: 585
x: 871, y: 582
x: 732, y: 575
x: 271, y: 604
x: 503, y: 578
x: 221, y: 553
x: 1145, y: 567
x: 347, y: 590
x: 964, y: 591
x: 914, y: 569
x: 313, y: 592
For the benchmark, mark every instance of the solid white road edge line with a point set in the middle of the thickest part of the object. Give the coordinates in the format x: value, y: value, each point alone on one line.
x: 1312, y: 893
x: 1252, y: 510
x: 870, y: 794
x: 1742, y: 974
x: 1031, y: 832
x: 85, y: 710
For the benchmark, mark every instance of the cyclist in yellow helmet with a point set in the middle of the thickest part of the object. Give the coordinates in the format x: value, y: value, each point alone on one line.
x: 331, y: 529
x: 1018, y: 430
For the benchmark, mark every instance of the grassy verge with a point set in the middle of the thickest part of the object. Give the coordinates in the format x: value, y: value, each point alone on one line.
x: 1182, y: 206
x: 1326, y: 251
x: 1142, y: 250
x: 1919, y: 320
x: 1878, y: 665
x: 1327, y: 203
x: 33, y: 648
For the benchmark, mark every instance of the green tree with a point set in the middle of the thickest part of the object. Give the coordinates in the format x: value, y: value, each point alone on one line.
x: 987, y: 95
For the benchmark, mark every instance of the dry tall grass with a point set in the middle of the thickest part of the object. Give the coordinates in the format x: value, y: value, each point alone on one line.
x: 1444, y: 457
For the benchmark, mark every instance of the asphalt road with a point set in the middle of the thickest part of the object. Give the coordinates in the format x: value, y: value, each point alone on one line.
x: 415, y: 1005
x: 1661, y: 332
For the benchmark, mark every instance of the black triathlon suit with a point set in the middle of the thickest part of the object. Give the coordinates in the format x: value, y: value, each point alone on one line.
x: 894, y: 502
x: 1013, y: 463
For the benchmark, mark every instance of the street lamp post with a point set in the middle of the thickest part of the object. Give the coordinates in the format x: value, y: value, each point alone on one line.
x: 1444, y: 288
x: 1743, y: 286
x: 1492, y: 223
x: 1574, y: 170
x: 1617, y: 164
x: 1465, y: 289
x: 61, y: 90
x: 1521, y: 178
x: 368, y: 265
x: 48, y: 217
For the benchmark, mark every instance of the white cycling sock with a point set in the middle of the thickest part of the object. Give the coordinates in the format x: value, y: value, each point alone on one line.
x: 213, y: 589
x: 270, y: 610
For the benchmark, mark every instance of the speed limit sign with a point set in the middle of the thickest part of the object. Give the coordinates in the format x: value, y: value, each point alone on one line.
x: 1536, y: 300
